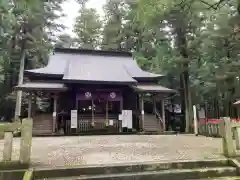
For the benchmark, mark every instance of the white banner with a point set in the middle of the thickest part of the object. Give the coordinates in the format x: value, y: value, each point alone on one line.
x: 74, y: 118
x: 124, y: 119
x: 110, y: 122
x: 120, y: 117
x: 129, y: 119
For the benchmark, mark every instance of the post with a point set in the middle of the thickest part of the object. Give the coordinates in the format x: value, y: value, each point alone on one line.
x: 195, y: 120
x: 142, y: 110
x: 237, y: 137
x: 8, y: 143
x: 227, y: 139
x: 54, y: 113
x: 26, y: 141
x: 163, y: 116
x: 30, y: 105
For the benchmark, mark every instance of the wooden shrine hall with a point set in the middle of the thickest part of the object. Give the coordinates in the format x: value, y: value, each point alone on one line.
x: 89, y: 91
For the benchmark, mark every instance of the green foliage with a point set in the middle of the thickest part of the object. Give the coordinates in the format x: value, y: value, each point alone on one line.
x: 88, y: 28
x: 26, y: 31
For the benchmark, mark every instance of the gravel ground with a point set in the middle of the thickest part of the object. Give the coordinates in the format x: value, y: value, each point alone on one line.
x: 82, y: 150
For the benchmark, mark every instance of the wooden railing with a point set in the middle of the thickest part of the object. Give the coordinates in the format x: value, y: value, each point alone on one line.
x: 230, y: 132
x: 159, y: 118
x: 209, y: 129
x: 25, y: 127
x: 85, y: 123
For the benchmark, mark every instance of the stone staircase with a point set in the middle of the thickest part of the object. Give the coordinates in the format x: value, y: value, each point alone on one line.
x: 188, y: 170
x: 42, y: 124
x: 152, y: 124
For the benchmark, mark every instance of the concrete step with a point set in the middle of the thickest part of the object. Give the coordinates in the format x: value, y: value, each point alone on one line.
x: 176, y: 174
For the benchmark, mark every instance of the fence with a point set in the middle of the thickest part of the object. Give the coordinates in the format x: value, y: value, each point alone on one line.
x: 230, y: 137
x: 99, y: 124
x: 211, y: 127
x: 25, y: 128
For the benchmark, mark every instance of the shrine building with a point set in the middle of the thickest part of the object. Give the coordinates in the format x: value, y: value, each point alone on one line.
x: 90, y: 91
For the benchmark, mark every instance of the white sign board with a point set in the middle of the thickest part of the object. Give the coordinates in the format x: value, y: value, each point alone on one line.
x: 127, y: 118
x: 201, y: 113
x: 124, y: 119
x: 110, y: 122
x: 120, y: 117
x: 74, y: 118
x: 54, y: 114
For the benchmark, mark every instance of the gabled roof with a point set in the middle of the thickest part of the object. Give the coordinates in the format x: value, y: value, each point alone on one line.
x: 95, y: 66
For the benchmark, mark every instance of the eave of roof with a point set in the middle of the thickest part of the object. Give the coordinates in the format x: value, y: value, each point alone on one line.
x: 152, y: 88
x: 36, y: 86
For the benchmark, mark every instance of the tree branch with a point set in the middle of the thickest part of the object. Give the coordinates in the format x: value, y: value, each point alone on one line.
x: 214, y: 6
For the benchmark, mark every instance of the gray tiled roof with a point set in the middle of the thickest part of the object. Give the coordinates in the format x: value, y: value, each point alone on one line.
x: 152, y: 88
x: 100, y: 68
x: 41, y: 86
x: 87, y: 66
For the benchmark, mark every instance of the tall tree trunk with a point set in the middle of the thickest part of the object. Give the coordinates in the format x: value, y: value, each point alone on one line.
x: 182, y: 46
x: 20, y: 81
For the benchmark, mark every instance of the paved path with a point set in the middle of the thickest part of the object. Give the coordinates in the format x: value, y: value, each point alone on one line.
x: 68, y: 151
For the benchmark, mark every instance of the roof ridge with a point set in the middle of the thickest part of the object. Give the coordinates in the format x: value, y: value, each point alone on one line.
x: 92, y: 52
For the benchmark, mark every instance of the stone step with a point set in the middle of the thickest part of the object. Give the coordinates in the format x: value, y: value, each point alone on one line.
x: 176, y: 174
x: 221, y: 178
x: 92, y: 170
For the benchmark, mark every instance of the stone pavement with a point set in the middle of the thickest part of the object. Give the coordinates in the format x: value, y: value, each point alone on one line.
x: 82, y: 150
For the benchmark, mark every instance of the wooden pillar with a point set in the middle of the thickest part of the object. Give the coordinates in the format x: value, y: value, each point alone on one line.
x: 30, y: 105
x: 121, y: 108
x: 163, y: 115
x: 92, y: 112
x: 54, y: 113
x: 154, y: 104
x: 142, y: 110
x: 34, y: 106
x: 107, y: 112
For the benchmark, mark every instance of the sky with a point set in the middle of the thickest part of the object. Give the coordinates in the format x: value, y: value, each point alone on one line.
x: 71, y: 7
